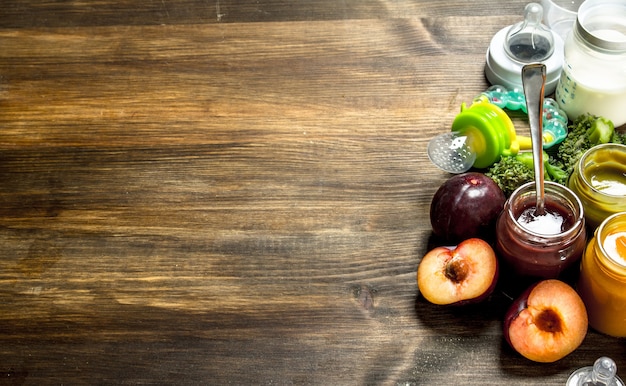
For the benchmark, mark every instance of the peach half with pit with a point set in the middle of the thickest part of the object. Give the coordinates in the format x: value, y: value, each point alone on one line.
x: 464, y: 274
x: 546, y: 322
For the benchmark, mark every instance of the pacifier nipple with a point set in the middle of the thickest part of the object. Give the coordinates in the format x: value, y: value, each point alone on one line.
x: 602, y: 373
x: 529, y: 41
x: 451, y: 152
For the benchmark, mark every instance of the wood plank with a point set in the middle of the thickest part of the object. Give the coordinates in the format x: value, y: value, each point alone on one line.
x: 187, y: 198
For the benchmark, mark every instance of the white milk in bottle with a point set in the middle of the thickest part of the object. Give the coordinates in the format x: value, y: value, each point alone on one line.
x: 593, y: 79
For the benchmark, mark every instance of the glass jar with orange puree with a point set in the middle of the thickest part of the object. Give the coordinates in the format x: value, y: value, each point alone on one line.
x: 602, y: 282
x: 599, y: 180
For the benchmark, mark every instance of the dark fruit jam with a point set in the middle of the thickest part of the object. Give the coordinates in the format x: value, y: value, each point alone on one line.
x: 555, y: 219
x: 541, y: 246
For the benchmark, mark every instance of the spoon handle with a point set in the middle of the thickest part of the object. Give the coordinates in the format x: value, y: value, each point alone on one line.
x: 533, y: 81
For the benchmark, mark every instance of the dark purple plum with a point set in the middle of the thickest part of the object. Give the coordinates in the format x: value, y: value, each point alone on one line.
x: 466, y: 205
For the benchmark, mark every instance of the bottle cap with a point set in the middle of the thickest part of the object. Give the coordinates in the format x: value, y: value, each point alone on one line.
x: 602, y: 373
x: 528, y: 41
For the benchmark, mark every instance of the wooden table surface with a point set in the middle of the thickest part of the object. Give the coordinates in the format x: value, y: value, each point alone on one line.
x: 237, y: 192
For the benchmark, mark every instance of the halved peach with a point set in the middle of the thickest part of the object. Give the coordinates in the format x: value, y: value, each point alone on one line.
x: 547, y: 322
x: 458, y: 275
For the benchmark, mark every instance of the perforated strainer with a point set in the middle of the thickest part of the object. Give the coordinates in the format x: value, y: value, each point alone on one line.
x: 451, y: 153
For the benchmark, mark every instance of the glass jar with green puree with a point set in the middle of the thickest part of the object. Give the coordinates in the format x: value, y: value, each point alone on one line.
x: 599, y: 181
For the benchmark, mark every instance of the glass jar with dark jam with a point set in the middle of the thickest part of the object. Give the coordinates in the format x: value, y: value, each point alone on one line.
x: 542, y: 246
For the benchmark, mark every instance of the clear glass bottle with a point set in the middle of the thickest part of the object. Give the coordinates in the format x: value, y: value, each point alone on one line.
x: 602, y: 282
x: 522, y: 43
x: 531, y: 252
x: 599, y: 180
x: 593, y: 79
x: 603, y: 372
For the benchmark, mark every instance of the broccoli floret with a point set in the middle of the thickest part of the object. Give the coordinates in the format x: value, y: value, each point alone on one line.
x: 509, y: 173
x: 585, y: 132
x: 619, y: 137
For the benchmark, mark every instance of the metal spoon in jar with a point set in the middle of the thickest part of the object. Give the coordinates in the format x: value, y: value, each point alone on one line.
x: 533, y: 81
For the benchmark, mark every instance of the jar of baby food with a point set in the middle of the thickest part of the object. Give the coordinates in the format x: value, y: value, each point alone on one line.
x: 599, y: 180
x: 541, y: 246
x: 602, y: 282
x: 593, y: 79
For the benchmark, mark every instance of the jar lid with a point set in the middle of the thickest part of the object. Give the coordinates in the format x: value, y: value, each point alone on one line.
x: 602, y: 23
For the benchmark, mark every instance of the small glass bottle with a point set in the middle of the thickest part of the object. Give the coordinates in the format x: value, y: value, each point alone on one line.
x: 599, y: 180
x: 602, y: 282
x: 602, y: 373
x: 532, y: 252
x: 593, y: 79
x: 527, y: 41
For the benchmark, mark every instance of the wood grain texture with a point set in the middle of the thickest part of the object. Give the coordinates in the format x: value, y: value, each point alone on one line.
x: 237, y: 192
x: 33, y: 13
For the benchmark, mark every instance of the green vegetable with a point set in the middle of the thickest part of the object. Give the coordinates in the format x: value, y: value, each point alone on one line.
x: 619, y: 137
x: 550, y: 172
x: 585, y: 132
x: 556, y: 173
x: 511, y: 172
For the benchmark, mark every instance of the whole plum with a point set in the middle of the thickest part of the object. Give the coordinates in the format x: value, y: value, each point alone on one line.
x: 466, y: 205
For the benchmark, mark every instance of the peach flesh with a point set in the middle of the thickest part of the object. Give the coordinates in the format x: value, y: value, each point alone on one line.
x: 461, y: 275
x: 547, y: 322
